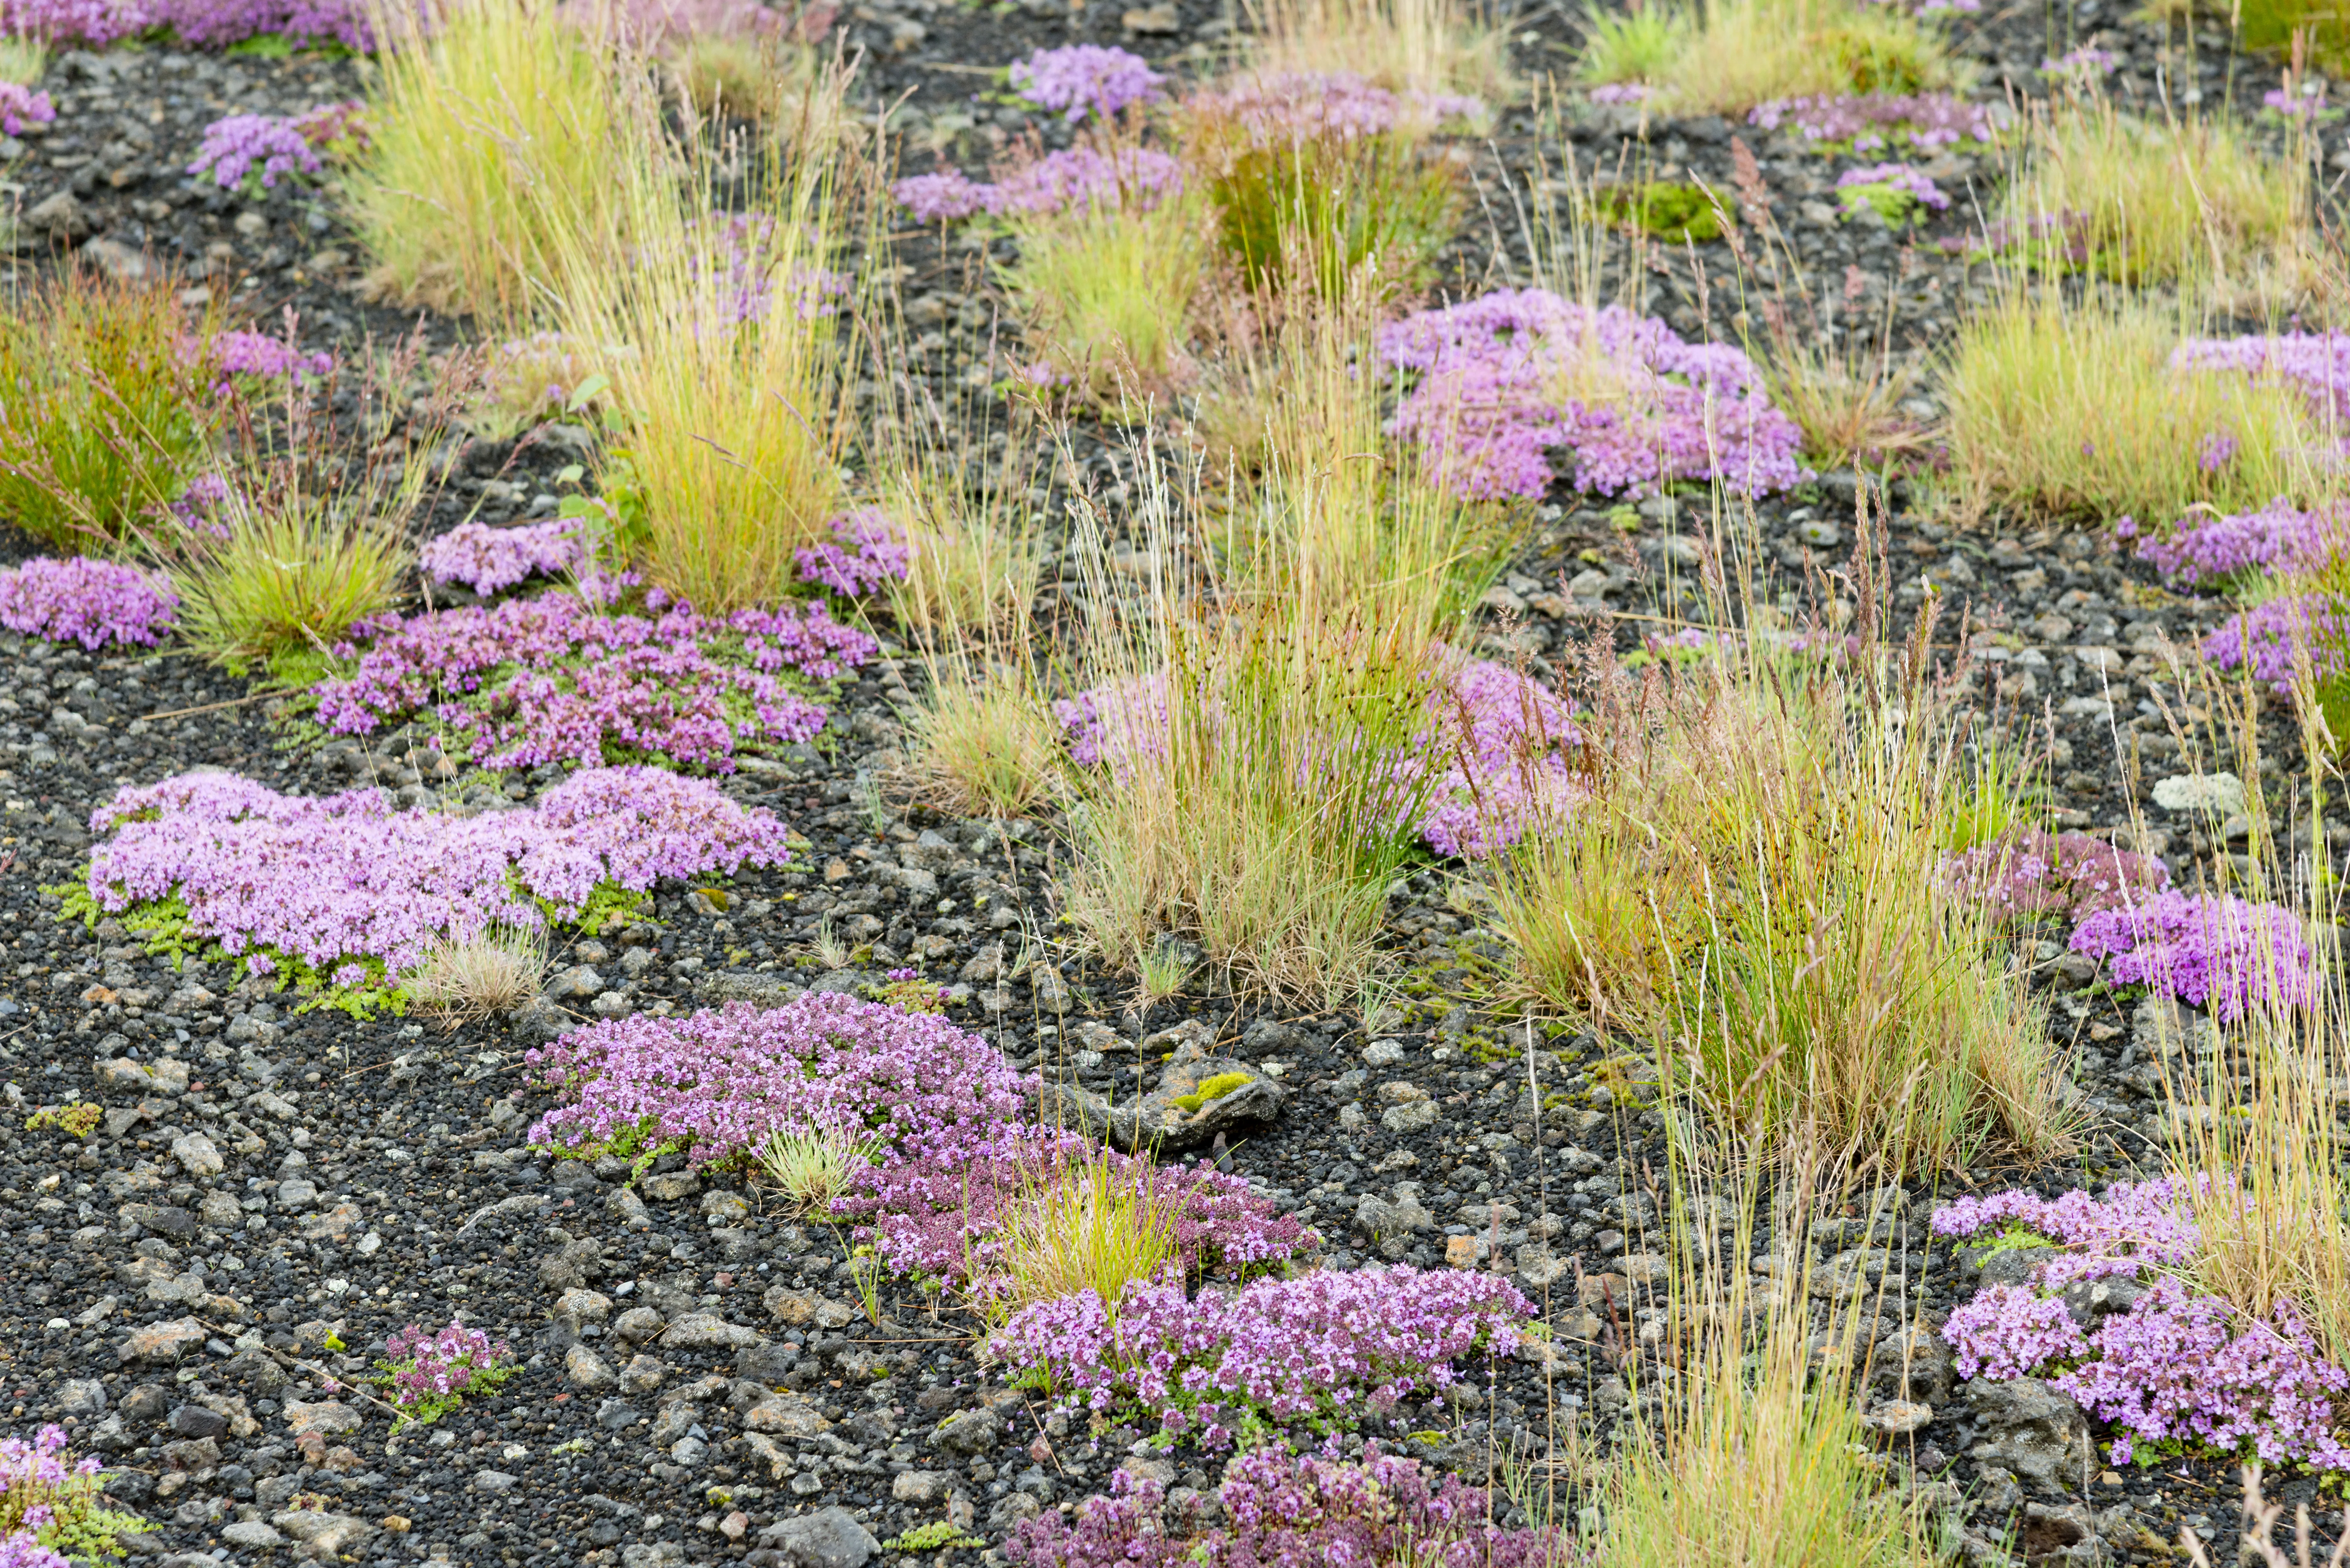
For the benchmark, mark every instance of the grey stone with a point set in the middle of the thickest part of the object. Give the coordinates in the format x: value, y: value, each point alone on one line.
x: 195, y: 1421
x: 969, y: 1432
x: 197, y: 1157
x: 2030, y: 1428
x: 2216, y: 795
x: 921, y: 1486
x: 639, y: 1325
x: 296, y: 1193
x: 497, y: 1483
x: 59, y: 217
x: 1383, y: 1053
x: 672, y: 1185
x: 707, y: 1331
x: 616, y: 1415
x: 1155, y: 1120
x: 579, y: 982
x: 829, y: 1537
x: 252, y: 1534
x: 1415, y: 1116
x: 584, y: 1367
x: 1399, y: 1215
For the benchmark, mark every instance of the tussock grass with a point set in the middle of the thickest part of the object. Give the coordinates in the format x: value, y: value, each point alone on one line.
x: 727, y: 363
x: 1080, y: 1222
x: 23, y: 59
x: 2068, y: 407
x: 981, y: 740
x: 1433, y: 46
x: 1108, y: 291
x: 498, y: 146
x: 290, y: 577
x: 1741, y: 53
x: 491, y: 975
x: 1640, y: 45
x: 813, y: 1169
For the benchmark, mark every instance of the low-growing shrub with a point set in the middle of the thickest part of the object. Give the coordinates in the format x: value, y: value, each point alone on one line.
x: 1866, y: 122
x: 1323, y: 1348
x: 94, y: 603
x: 2210, y: 949
x: 488, y: 560
x: 2208, y: 547
x: 344, y: 897
x: 555, y: 678
x: 1662, y: 209
x: 720, y: 1084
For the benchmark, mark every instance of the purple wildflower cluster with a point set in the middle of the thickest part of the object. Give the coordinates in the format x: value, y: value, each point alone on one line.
x: 2276, y: 636
x: 1284, y: 1512
x: 2175, y: 1363
x: 2308, y: 104
x: 865, y: 552
x: 938, y: 1208
x: 659, y: 22
x: 439, y: 1366
x: 2314, y: 364
x: 20, y: 106
x: 2082, y: 65
x: 487, y: 559
x: 34, y: 1479
x: 1074, y: 177
x: 2215, y: 951
x: 2279, y: 537
x: 1869, y: 120
x: 1084, y: 80
x: 553, y: 678
x: 1898, y: 177
x: 1504, y: 377
x: 236, y: 146
x: 259, y: 355
x: 335, y: 881
x: 1496, y: 743
x: 1622, y: 92
x: 198, y: 24
x: 1322, y: 1347
x: 724, y: 1082
x: 93, y: 603
x: 2038, y: 873
x: 1281, y: 108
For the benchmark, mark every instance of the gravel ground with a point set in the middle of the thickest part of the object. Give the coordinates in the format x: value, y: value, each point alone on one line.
x: 702, y: 1380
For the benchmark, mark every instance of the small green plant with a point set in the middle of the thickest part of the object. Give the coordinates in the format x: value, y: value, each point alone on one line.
x: 1323, y: 209
x: 1641, y: 44
x: 908, y: 992
x: 815, y: 1167
x: 1108, y: 290
x: 284, y: 584
x: 1673, y: 213
x: 23, y: 59
x: 80, y: 1120
x: 334, y: 1342
x: 61, y: 1505
x: 1215, y: 1088
x: 934, y: 1536
x: 1082, y: 1221
x: 864, y: 1267
x: 430, y: 1374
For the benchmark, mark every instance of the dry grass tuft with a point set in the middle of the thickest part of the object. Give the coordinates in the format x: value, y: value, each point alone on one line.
x: 488, y: 976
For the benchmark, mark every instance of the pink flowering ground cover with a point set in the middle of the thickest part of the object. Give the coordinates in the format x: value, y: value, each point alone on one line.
x: 2036, y: 872
x: 94, y: 603
x: 489, y: 560
x: 2175, y: 1365
x: 2279, y: 537
x: 1497, y: 382
x: 720, y: 1082
x: 198, y: 24
x: 557, y: 679
x: 865, y: 553
x: 2279, y: 638
x: 429, y: 1374
x: 1075, y: 177
x: 1284, y: 1512
x: 1322, y: 1348
x: 1277, y: 109
x: 2210, y: 951
x: 343, y: 896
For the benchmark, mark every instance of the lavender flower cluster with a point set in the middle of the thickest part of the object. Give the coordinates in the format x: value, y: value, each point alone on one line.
x: 2175, y: 1365
x: 2213, y: 949
x: 337, y: 883
x: 867, y: 552
x: 2083, y: 64
x: 1281, y: 108
x: 198, y: 24
x: 2037, y: 873
x: 1284, y: 1512
x: 2279, y: 638
x: 724, y: 1082
x: 94, y: 603
x: 1902, y: 178
x: 1078, y: 177
x: 269, y: 358
x: 487, y: 559
x: 1323, y: 1347
x: 2314, y: 364
x: 236, y: 146
x: 439, y: 1366
x: 1084, y: 80
x: 1504, y: 377
x: 938, y: 1207
x: 1866, y: 122
x: 20, y: 106
x: 554, y: 677
x: 2279, y: 537
x: 34, y: 1479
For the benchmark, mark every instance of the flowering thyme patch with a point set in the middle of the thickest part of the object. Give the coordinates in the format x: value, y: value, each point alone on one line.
x: 556, y: 679
x: 343, y: 896
x: 429, y: 1374
x: 2039, y: 873
x: 93, y: 603
x: 487, y: 559
x: 2213, y: 949
x: 1323, y: 1348
x: 2173, y: 1364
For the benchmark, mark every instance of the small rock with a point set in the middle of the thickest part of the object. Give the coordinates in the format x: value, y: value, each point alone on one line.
x: 197, y: 1157
x: 586, y: 1368
x: 2216, y: 794
x: 969, y: 1432
x: 1899, y: 1418
x: 830, y: 1538
x: 2030, y: 1428
x: 921, y: 1486
x: 327, y: 1418
x: 707, y: 1331
x: 639, y: 1325
x: 59, y: 217
x: 252, y: 1534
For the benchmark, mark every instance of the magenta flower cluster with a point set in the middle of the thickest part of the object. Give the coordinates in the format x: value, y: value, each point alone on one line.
x: 198, y: 24
x: 2033, y: 872
x: 2280, y: 637
x: 1083, y: 79
x: 1325, y: 1348
x: 553, y: 679
x: 336, y: 881
x: 94, y: 603
x: 32, y: 1477
x: 1901, y: 177
x: 2279, y: 537
x: 2176, y: 1365
x: 20, y: 106
x: 1502, y: 378
x: 866, y: 553
x: 487, y: 559
x: 438, y: 1365
x: 2082, y: 63
x: 258, y: 354
x: 2314, y: 364
x: 938, y: 1208
x: 724, y: 1082
x: 1870, y: 120
x: 2214, y: 951
x: 236, y: 146
x: 1289, y: 1512
x: 1281, y: 108
x: 1078, y: 177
